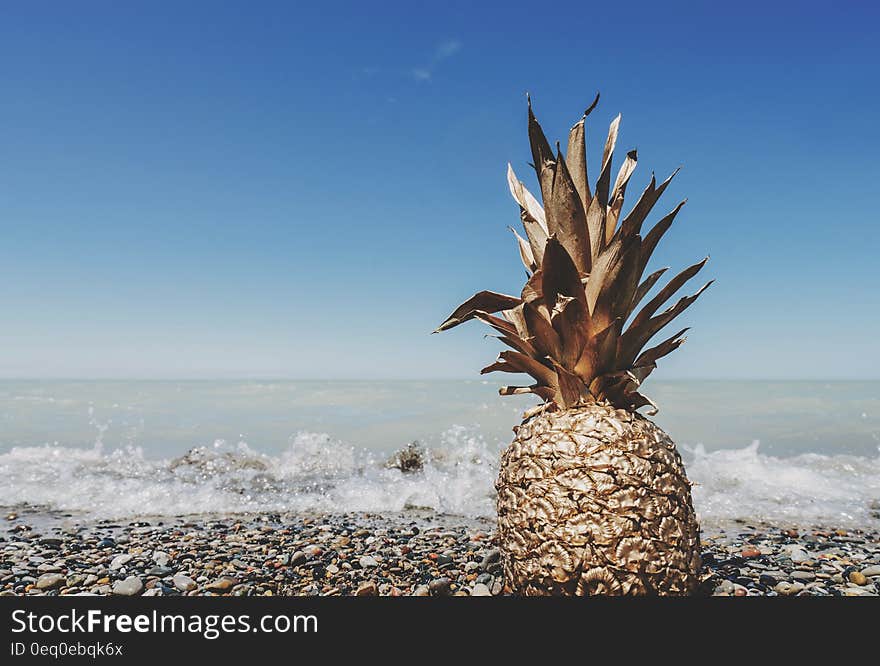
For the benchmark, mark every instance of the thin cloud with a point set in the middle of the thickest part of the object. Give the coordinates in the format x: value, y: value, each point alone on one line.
x: 447, y: 49
x: 443, y: 51
x: 421, y: 74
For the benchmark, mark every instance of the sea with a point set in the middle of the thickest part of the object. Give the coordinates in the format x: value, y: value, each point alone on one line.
x: 793, y: 453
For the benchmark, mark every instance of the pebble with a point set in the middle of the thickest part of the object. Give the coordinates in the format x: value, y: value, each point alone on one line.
x: 491, y: 557
x: 221, y: 585
x: 803, y: 575
x: 160, y: 572
x: 49, y: 581
x: 184, y: 583
x: 799, y: 555
x: 480, y: 590
x: 130, y: 587
x: 367, y: 562
x: 120, y: 561
x: 440, y: 586
x: 858, y: 578
x: 788, y: 589
x: 413, y: 553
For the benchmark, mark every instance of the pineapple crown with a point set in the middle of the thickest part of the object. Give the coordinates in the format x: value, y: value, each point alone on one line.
x: 567, y: 328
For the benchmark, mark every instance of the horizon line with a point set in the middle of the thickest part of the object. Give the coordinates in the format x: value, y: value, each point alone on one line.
x: 400, y: 379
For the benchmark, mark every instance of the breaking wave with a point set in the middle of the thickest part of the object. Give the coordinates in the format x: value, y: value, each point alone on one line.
x: 317, y: 473
x: 314, y: 473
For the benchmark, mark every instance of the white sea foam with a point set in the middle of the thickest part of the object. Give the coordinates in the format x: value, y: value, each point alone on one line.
x: 809, y: 488
x: 314, y: 473
x: 318, y: 473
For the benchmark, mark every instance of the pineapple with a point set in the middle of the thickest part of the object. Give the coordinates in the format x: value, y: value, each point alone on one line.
x: 592, y: 496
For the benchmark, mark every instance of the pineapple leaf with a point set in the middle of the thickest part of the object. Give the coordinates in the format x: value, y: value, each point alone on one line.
x: 487, y: 301
x: 584, y: 268
x: 546, y: 340
x: 571, y: 387
x: 576, y: 161
x: 604, y: 183
x: 525, y: 252
x: 669, y: 345
x: 576, y: 157
x: 656, y: 233
x: 512, y: 361
x: 645, y: 287
x: 596, y: 228
x: 560, y: 276
x: 625, y: 173
x: 667, y: 292
x: 533, y: 290
x: 531, y: 213
x: 632, y: 223
x: 571, y: 324
x: 566, y: 218
x: 635, y: 338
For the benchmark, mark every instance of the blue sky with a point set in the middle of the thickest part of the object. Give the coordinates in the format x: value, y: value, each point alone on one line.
x: 264, y: 190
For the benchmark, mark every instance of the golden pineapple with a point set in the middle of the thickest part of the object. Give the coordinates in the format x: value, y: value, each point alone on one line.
x: 592, y: 496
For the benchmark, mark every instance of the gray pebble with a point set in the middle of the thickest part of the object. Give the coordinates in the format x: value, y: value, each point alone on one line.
x: 49, y: 581
x: 129, y: 587
x: 120, y: 561
x: 184, y: 583
x: 803, y: 575
x: 367, y: 561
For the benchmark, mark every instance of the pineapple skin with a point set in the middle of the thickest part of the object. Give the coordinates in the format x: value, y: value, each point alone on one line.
x: 595, y: 501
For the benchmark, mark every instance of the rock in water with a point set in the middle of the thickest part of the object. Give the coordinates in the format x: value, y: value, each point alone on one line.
x: 411, y: 458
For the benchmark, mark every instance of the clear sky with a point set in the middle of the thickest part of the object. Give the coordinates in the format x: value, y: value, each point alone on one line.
x: 258, y: 189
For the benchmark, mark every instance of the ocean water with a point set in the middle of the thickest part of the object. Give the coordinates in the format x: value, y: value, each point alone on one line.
x: 798, y: 453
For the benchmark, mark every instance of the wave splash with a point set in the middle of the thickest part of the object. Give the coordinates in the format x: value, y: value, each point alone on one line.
x: 807, y: 489
x: 317, y: 473
x: 314, y: 473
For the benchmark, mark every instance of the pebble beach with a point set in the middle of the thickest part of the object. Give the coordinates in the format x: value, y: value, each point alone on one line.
x: 357, y: 554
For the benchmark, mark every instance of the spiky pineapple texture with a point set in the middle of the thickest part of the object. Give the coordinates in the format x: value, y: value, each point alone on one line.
x: 585, y: 280
x: 595, y: 500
